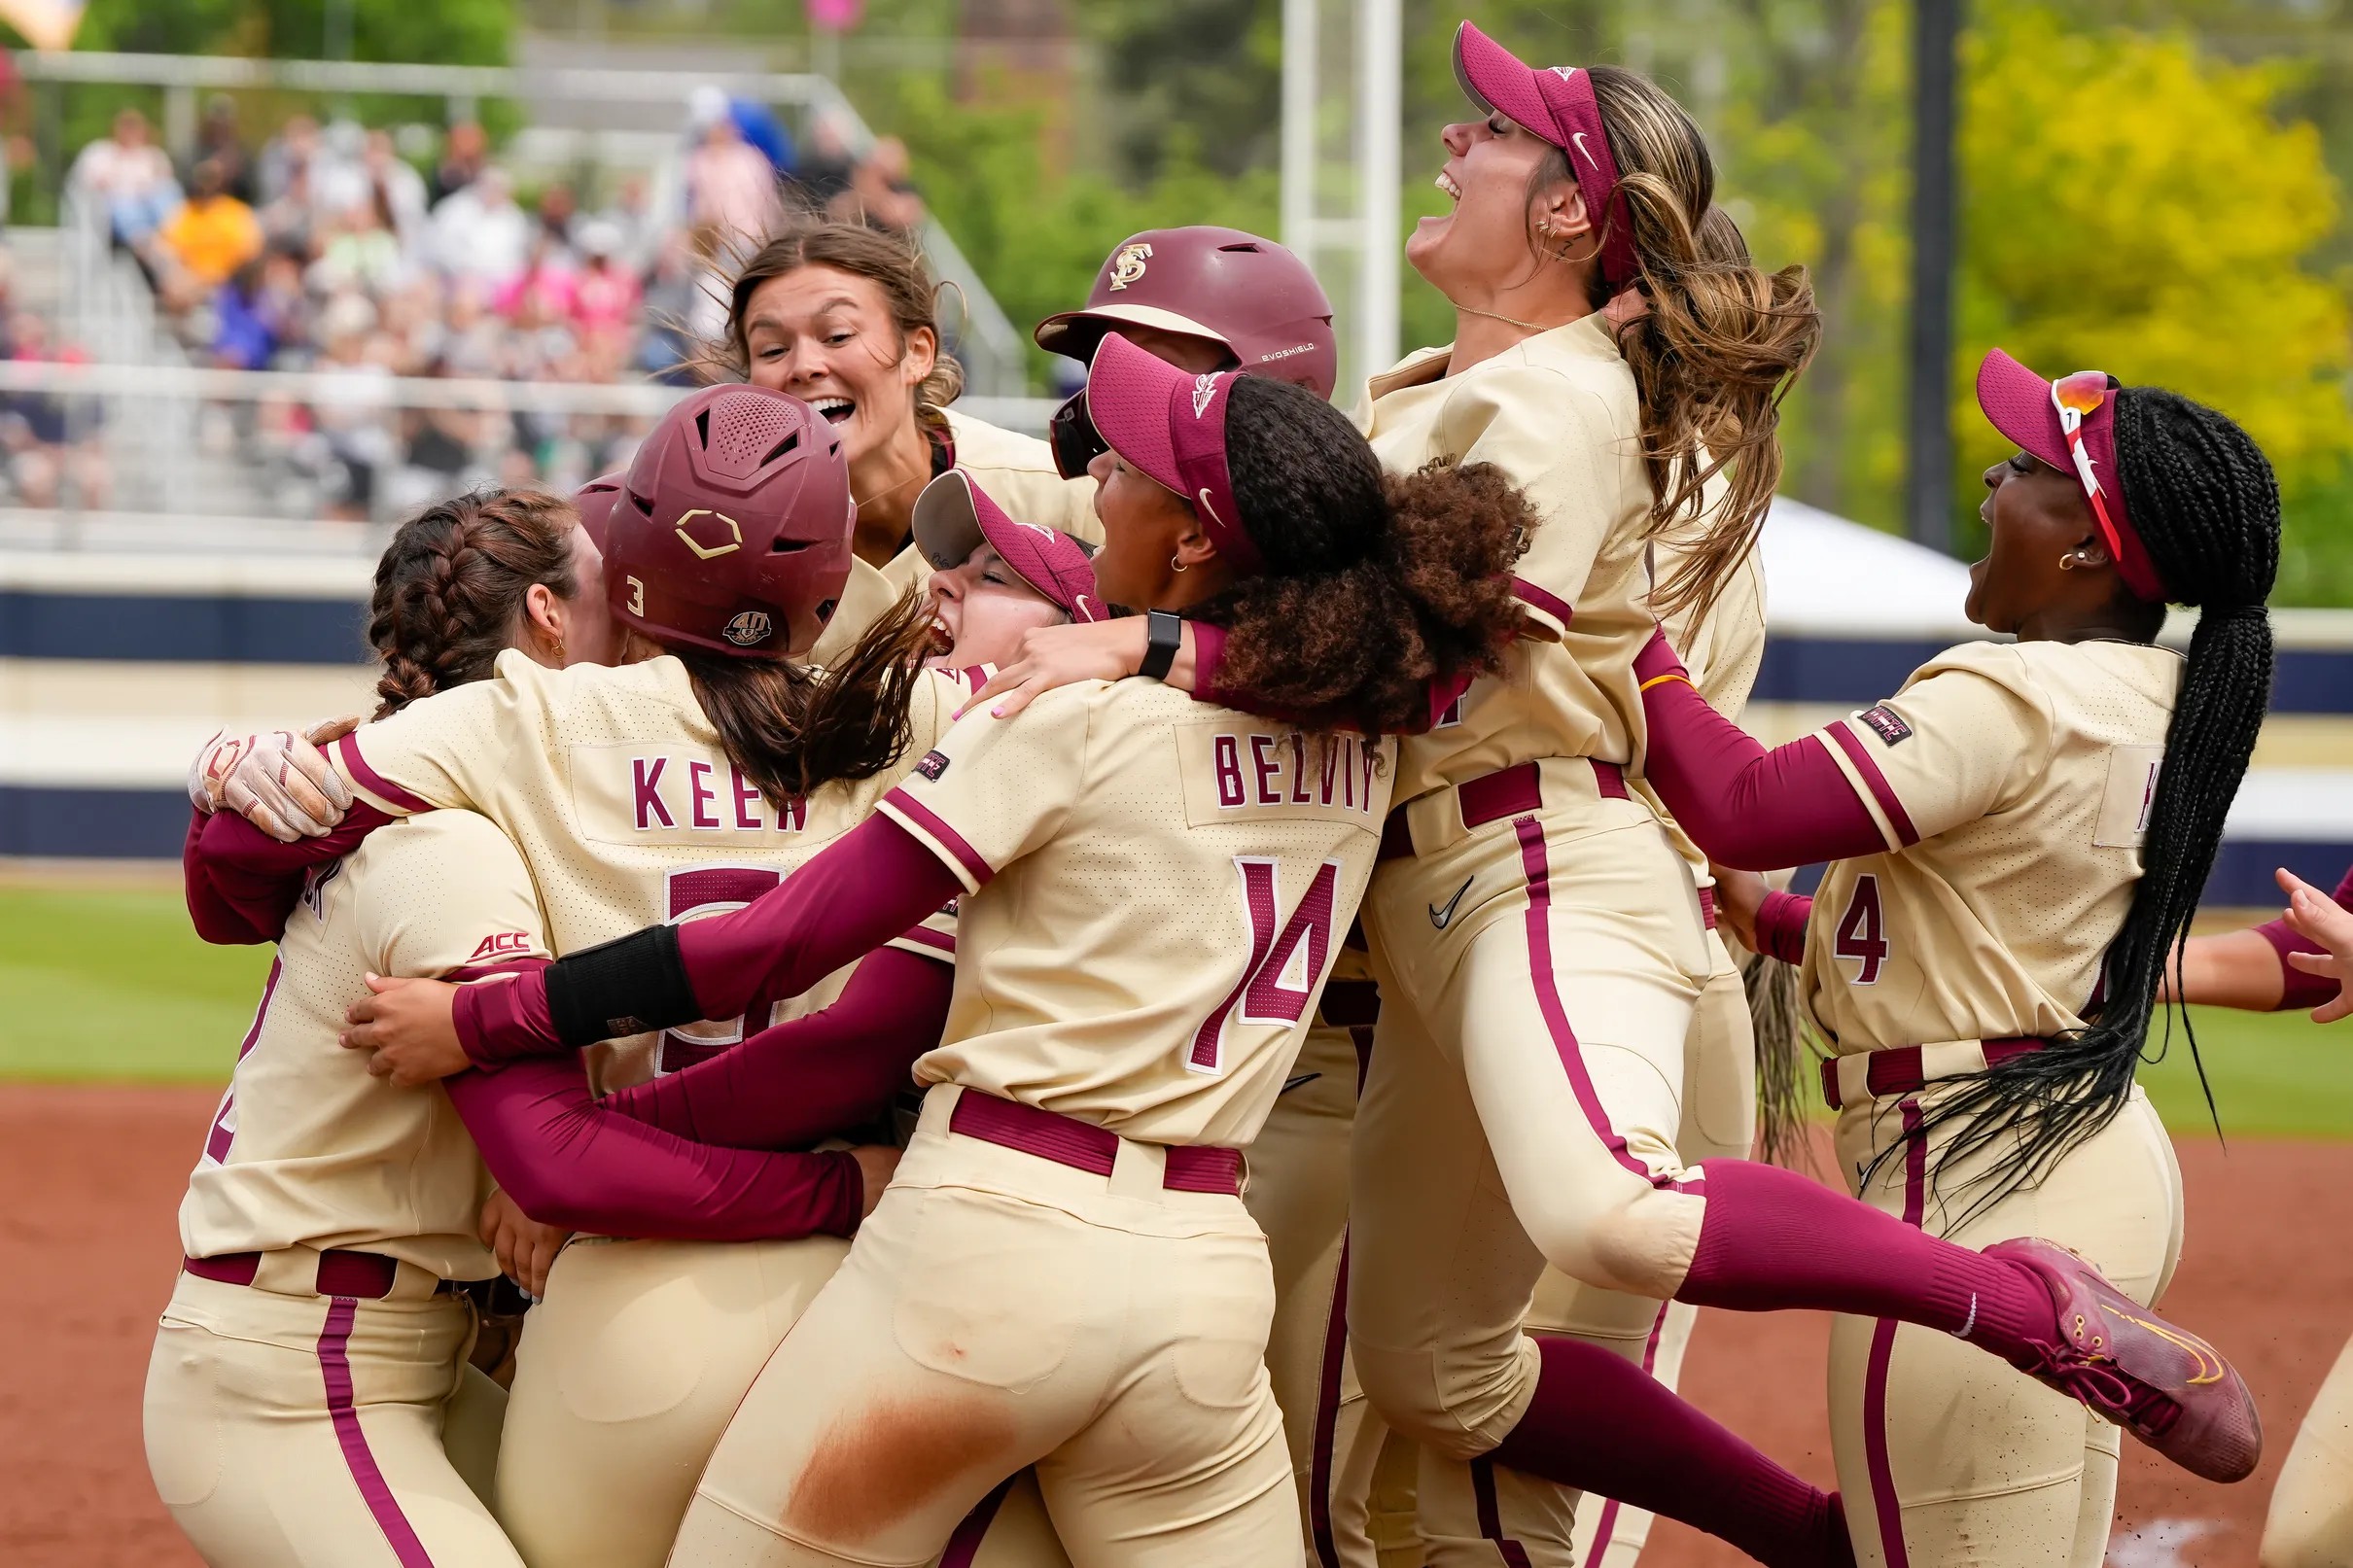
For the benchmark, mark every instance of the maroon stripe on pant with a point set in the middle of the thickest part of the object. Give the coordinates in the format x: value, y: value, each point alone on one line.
x: 1885, y: 1504
x: 1490, y: 1519
x: 1327, y: 1419
x: 1533, y: 865
x: 334, y: 1366
x: 973, y: 1528
x: 1608, y: 1526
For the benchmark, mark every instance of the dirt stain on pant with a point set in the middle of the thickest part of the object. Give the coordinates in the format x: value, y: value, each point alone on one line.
x: 874, y: 1466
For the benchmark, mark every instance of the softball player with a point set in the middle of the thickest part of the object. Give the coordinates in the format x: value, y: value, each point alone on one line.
x: 1062, y: 1272
x: 308, y: 1400
x: 1208, y: 300
x: 2280, y: 965
x: 845, y: 318
x: 2017, y: 840
x: 661, y: 791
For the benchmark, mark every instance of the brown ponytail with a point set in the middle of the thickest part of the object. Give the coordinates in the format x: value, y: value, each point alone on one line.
x: 450, y: 588
x: 1719, y: 345
x: 892, y: 263
x: 1375, y: 584
x: 793, y: 728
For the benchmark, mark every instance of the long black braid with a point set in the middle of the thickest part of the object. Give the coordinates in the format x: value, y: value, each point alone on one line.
x: 2202, y: 497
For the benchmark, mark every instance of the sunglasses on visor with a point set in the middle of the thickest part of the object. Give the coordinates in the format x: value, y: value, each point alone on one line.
x: 2077, y: 397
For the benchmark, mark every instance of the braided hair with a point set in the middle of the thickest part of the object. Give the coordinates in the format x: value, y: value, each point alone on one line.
x: 2202, y: 497
x: 450, y: 588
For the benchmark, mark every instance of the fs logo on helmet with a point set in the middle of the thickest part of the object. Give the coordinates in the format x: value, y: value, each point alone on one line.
x: 1127, y: 266
x: 748, y: 629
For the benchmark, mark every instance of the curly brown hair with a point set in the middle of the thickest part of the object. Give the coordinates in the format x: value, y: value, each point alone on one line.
x: 1375, y: 584
x: 451, y: 587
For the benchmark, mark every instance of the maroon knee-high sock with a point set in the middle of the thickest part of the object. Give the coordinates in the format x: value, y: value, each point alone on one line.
x: 1775, y: 1241
x: 1600, y: 1423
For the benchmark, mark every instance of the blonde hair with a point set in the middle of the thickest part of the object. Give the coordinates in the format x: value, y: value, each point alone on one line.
x: 1718, y: 347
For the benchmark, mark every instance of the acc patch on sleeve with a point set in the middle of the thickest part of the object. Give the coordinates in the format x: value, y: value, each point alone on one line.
x: 932, y: 765
x: 1886, y: 723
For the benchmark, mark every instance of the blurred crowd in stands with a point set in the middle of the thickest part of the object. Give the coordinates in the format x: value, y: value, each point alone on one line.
x: 336, y: 249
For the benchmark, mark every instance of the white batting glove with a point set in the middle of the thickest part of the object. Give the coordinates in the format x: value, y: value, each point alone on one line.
x: 277, y: 780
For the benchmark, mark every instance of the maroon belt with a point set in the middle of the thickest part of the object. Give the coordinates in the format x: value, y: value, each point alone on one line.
x: 1490, y: 797
x: 366, y: 1275
x: 1707, y: 908
x: 1897, y: 1072
x: 1191, y: 1167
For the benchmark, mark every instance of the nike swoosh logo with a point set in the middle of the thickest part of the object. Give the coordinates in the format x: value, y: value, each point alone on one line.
x: 1291, y: 1082
x: 1585, y: 152
x: 1440, y: 918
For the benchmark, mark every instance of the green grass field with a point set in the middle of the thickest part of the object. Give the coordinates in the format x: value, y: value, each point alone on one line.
x: 111, y: 984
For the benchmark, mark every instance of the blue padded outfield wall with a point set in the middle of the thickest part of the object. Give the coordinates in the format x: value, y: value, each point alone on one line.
x: 115, y: 668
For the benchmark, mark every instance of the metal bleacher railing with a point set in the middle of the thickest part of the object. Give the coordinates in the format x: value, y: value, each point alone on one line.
x: 267, y: 452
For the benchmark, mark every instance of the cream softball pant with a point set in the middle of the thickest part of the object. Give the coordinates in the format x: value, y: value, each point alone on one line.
x: 290, y: 1429
x: 1947, y: 1457
x: 2311, y: 1520
x: 1000, y: 1308
x: 1539, y: 958
x: 629, y: 1372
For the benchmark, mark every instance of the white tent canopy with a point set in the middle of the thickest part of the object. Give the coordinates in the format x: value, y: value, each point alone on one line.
x: 1826, y: 577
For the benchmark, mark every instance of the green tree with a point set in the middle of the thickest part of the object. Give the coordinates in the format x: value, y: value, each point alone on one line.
x: 432, y: 32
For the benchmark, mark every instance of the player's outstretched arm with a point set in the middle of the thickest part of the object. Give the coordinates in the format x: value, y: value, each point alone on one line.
x: 2328, y: 926
x: 809, y: 1078
x: 566, y: 1163
x: 871, y: 885
x: 1747, y: 806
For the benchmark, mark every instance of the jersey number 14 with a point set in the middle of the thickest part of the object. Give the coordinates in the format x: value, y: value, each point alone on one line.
x: 1287, y: 962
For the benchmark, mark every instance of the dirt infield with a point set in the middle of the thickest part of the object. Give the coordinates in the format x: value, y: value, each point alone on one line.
x: 89, y: 1243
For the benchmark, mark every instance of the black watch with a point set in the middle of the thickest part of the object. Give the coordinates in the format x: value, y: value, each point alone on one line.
x: 1163, y: 635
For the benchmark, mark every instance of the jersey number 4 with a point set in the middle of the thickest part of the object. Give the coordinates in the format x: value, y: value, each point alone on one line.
x: 1861, y: 933
x: 1288, y: 958
x: 715, y: 890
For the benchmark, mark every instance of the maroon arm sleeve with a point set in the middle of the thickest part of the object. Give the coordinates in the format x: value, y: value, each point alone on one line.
x: 250, y: 880
x: 872, y: 884
x: 811, y: 1077
x: 1782, y: 925
x: 1745, y: 806
x: 1209, y: 650
x: 565, y: 1162
x: 2299, y: 990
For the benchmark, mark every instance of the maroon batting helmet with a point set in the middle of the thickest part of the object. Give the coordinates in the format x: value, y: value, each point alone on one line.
x: 732, y: 532
x: 1249, y: 293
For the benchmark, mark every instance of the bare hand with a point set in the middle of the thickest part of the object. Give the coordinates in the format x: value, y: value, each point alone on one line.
x: 2316, y: 918
x: 526, y: 1248
x: 1053, y: 656
x: 411, y: 1029
x: 1740, y: 896
x: 876, y: 1162
x: 277, y: 780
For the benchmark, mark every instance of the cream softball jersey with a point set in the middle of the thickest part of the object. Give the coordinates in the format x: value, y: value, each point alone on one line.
x: 2011, y: 785
x: 302, y: 1418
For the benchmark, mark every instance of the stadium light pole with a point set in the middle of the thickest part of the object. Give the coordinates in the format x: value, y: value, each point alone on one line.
x: 1299, y: 128
x: 1928, y: 500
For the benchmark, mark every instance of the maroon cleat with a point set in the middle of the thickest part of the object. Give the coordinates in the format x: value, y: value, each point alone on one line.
x: 2168, y: 1388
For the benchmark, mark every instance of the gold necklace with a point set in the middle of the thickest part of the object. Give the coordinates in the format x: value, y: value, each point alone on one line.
x: 1511, y: 321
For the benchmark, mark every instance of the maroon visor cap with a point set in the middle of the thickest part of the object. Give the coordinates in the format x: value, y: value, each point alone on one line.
x: 1170, y: 424
x: 954, y: 516
x: 2026, y: 408
x: 1555, y: 103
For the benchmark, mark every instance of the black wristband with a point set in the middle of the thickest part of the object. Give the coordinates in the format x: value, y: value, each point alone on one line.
x: 1163, y: 636
x: 623, y: 987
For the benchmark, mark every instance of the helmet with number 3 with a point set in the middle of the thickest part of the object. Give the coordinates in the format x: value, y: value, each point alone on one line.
x: 731, y: 530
